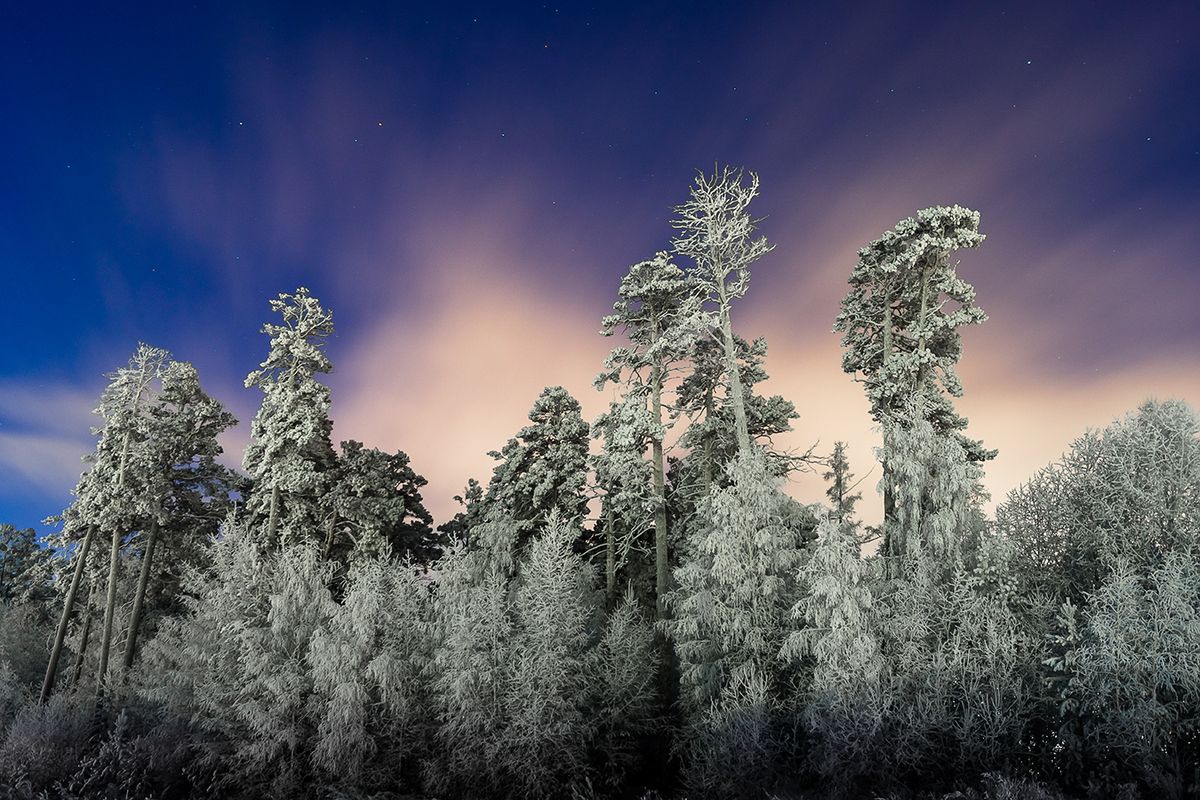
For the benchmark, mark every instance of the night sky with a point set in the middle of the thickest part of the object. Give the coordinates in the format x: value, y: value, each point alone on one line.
x: 464, y: 186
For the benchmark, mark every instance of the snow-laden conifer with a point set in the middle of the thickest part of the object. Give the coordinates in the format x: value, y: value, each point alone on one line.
x: 900, y: 324
x: 628, y: 501
x: 837, y: 636
x: 374, y: 509
x: 542, y: 468
x: 623, y: 668
x: 370, y: 679
x: 289, y: 446
x: 658, y: 311
x: 732, y: 613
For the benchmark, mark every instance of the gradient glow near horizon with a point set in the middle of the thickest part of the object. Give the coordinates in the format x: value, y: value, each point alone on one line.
x: 464, y: 188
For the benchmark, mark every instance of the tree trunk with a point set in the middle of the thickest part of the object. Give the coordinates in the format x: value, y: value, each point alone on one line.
x: 921, y: 324
x: 610, y: 560
x: 135, y: 617
x: 273, y: 519
x: 661, y: 576
x: 888, y: 546
x: 114, y: 554
x: 735, y: 378
x: 68, y: 603
x: 329, y: 535
x: 84, y: 636
x: 707, y: 467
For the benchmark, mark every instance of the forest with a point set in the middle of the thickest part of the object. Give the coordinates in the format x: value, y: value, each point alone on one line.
x: 631, y: 606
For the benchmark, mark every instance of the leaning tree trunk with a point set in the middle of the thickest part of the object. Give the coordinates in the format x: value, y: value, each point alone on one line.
x: 65, y: 619
x: 735, y: 378
x: 84, y: 636
x: 135, y: 617
x: 110, y: 605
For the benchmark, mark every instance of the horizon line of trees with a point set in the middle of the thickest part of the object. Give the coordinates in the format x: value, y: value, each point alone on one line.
x: 302, y: 629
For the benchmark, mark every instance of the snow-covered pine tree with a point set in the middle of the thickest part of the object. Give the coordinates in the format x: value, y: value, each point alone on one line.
x: 623, y: 669
x: 711, y: 436
x: 24, y: 565
x: 185, y: 491
x: 936, y: 493
x: 658, y: 311
x: 542, y: 468
x: 472, y: 669
x: 105, y: 496
x: 548, y: 733
x: 624, y: 476
x: 841, y: 492
x: 373, y: 507
x: 716, y: 234
x: 900, y: 323
x: 290, y: 448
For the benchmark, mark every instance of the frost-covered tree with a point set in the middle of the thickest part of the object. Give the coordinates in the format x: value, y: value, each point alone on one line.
x: 23, y: 561
x: 960, y: 679
x: 374, y: 502
x: 731, y: 615
x: 623, y: 669
x: 543, y: 467
x: 105, y: 497
x: 1076, y: 517
x: 290, y: 448
x: 370, y: 670
x: 1133, y: 689
x: 711, y: 436
x: 936, y: 499
x: 657, y: 311
x: 238, y: 665
x: 900, y: 324
x: 841, y: 492
x: 625, y: 480
x: 554, y: 612
x: 185, y: 491
x: 838, y: 637
x: 716, y: 233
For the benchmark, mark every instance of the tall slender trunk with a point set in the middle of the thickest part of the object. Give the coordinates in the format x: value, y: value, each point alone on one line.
x: 735, y: 378
x: 661, y: 576
x: 110, y: 605
x: 65, y: 619
x: 135, y: 617
x: 706, y: 470
x: 921, y: 342
x: 610, y: 553
x: 84, y: 636
x: 890, y: 538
